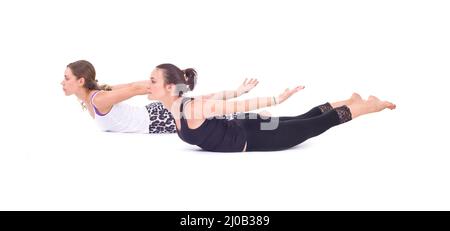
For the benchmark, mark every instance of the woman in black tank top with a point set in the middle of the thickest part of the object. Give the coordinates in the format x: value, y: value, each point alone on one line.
x: 200, y: 121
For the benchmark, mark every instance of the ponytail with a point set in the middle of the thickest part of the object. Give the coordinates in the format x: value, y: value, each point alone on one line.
x: 190, y: 77
x: 93, y: 85
x: 105, y: 87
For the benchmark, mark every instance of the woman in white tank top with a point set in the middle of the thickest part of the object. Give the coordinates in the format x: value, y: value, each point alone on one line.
x: 105, y: 103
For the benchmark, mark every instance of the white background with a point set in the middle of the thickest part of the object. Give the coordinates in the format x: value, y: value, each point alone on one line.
x: 53, y: 157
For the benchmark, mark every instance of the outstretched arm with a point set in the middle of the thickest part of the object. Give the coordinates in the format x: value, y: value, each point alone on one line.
x: 128, y: 85
x: 104, y: 100
x: 245, y: 87
x: 202, y: 109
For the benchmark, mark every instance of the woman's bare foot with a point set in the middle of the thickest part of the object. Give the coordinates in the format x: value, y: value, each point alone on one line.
x: 380, y: 105
x: 353, y: 99
x: 372, y: 104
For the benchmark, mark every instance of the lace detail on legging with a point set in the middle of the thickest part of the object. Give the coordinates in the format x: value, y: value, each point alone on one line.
x: 325, y: 107
x: 344, y: 114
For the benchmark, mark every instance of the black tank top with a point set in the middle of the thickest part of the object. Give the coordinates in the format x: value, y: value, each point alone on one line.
x: 215, y: 134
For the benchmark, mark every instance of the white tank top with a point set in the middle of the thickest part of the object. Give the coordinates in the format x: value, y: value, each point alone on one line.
x: 122, y: 118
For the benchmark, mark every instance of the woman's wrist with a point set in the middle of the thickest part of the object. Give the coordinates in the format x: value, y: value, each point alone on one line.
x: 139, y: 87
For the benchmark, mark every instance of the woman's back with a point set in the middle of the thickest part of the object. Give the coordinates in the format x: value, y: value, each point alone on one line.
x: 214, y: 134
x: 125, y: 118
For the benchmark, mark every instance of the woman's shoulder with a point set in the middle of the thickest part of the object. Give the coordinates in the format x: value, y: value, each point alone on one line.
x: 96, y: 96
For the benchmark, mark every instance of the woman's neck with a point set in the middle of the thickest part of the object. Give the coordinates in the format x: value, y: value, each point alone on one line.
x: 84, y: 95
x: 169, y: 101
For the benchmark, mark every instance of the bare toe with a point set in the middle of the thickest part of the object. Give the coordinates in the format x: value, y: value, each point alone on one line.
x: 389, y: 105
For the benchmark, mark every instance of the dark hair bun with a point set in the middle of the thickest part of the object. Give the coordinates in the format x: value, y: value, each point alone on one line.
x: 191, y: 77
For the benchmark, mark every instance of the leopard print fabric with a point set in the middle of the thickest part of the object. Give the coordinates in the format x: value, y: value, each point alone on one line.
x: 161, y: 120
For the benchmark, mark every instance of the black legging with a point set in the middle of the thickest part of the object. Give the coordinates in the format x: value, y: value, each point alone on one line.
x: 292, y: 131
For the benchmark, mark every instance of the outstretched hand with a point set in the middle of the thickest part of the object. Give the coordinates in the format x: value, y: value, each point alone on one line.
x: 287, y: 93
x: 246, y: 86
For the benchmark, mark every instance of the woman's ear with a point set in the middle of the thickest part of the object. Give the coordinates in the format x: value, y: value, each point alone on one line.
x: 81, y: 81
x: 170, y: 89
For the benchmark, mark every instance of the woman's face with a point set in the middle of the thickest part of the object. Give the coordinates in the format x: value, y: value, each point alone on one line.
x: 70, y: 83
x: 158, y: 89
